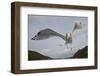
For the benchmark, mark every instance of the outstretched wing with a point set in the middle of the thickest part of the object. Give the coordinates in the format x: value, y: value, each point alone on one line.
x: 45, y: 34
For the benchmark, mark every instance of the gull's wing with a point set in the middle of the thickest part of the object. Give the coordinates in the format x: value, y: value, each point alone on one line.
x: 77, y: 25
x: 45, y: 34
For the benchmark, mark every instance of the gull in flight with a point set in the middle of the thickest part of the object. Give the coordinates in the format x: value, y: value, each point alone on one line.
x: 48, y: 33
